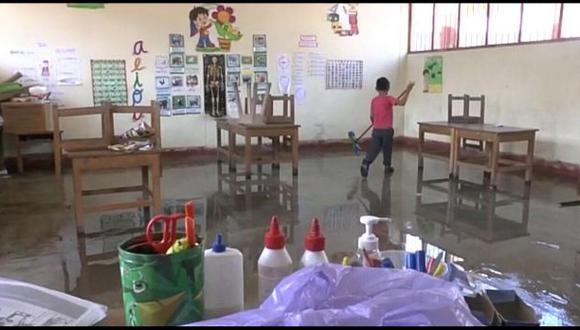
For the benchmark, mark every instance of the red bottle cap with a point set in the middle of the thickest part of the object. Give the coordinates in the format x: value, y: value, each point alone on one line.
x: 314, y: 241
x: 274, y: 238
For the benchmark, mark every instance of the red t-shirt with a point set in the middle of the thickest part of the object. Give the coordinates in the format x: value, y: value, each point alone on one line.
x: 382, y: 111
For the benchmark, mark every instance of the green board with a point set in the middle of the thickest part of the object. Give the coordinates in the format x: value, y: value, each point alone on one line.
x: 86, y: 5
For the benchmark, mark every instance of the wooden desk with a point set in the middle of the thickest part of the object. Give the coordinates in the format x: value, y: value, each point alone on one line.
x: 27, y: 121
x: 489, y: 160
x: 280, y: 151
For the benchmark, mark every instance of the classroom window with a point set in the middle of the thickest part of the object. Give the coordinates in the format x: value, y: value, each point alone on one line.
x: 473, y: 24
x: 570, y: 21
x: 444, y: 26
x: 422, y: 26
x: 540, y: 21
x: 446, y: 15
x: 504, y: 23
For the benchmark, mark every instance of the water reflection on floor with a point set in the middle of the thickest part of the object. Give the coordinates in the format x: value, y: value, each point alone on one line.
x: 515, y: 237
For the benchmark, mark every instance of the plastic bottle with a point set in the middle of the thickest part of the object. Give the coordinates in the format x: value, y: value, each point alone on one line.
x: 369, y: 241
x: 223, y: 280
x: 274, y: 263
x: 314, y: 246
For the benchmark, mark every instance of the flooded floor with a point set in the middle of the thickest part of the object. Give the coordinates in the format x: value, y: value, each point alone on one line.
x: 515, y: 237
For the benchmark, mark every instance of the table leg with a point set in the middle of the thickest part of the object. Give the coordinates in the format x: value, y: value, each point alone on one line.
x: 494, y: 162
x: 276, y: 149
x: 248, y: 156
x: 78, y: 197
x: 19, y: 161
x: 146, y: 195
x: 259, y: 147
x: 219, y: 143
x: 530, y: 159
x: 420, y: 146
x: 488, y: 148
x: 57, y: 156
x: 294, y: 138
x: 454, y: 154
x: 231, y: 150
x: 156, y: 189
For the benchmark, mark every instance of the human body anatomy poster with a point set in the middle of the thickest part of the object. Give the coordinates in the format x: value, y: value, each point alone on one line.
x: 344, y: 74
x: 109, y: 79
x: 214, y: 79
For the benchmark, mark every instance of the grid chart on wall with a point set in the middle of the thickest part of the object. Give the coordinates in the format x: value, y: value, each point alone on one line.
x: 344, y: 74
x: 109, y: 82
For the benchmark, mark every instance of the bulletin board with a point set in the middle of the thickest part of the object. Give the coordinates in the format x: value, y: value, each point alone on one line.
x: 109, y: 82
x: 344, y: 74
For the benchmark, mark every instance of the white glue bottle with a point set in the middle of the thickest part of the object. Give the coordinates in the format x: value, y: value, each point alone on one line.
x: 274, y: 263
x: 223, y: 280
x: 369, y: 241
x: 314, y: 246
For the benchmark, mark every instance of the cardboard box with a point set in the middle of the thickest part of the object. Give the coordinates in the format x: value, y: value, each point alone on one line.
x: 482, y: 308
x: 512, y: 310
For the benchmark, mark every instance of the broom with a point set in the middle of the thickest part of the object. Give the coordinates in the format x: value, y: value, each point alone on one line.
x: 355, y: 145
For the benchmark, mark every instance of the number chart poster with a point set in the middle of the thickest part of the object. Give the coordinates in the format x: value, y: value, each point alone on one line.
x: 433, y: 75
x: 109, y: 82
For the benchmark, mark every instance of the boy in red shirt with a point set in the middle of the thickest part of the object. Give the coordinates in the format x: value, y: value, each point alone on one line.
x: 382, y: 120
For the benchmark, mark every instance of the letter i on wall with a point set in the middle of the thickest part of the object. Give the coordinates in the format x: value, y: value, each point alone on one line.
x: 137, y: 96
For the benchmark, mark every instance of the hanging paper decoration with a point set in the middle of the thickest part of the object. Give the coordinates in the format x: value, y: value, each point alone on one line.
x: 344, y: 19
x: 224, y: 17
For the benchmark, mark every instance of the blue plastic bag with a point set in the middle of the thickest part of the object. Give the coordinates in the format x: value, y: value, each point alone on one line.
x: 330, y: 294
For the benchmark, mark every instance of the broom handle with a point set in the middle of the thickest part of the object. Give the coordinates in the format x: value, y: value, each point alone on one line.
x: 365, y: 132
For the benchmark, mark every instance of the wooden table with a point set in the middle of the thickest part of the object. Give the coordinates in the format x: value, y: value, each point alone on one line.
x: 280, y: 151
x: 489, y: 160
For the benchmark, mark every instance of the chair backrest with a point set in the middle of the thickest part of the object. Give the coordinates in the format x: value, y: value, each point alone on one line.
x: 466, y: 117
x: 153, y: 110
x: 106, y: 111
x: 84, y: 143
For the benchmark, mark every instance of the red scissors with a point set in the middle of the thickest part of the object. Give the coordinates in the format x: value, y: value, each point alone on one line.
x: 170, y: 229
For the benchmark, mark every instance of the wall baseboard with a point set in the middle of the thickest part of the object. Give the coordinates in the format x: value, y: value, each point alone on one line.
x: 311, y: 148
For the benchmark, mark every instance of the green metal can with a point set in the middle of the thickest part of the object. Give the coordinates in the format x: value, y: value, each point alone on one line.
x: 161, y: 289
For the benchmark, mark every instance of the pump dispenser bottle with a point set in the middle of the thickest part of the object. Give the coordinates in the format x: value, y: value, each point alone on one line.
x: 369, y: 242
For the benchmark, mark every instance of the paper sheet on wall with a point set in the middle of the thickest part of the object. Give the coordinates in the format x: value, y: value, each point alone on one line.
x: 162, y: 65
x: 298, y: 63
x: 344, y: 74
x: 316, y: 65
x: 284, y: 73
x: 23, y: 61
x: 68, y: 67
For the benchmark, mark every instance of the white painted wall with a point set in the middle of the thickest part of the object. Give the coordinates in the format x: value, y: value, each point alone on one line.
x: 110, y: 33
x: 526, y: 85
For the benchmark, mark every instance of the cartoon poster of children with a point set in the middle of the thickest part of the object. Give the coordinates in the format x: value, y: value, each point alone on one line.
x: 433, y: 74
x: 201, y: 23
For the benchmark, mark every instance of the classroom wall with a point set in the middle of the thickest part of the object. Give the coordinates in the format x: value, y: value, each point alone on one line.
x: 526, y: 85
x: 111, y: 32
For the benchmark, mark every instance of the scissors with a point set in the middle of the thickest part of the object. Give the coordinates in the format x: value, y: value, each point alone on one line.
x: 170, y: 229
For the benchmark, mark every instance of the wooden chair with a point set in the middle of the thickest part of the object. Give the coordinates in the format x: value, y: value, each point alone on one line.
x: 466, y: 117
x: 91, y: 154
